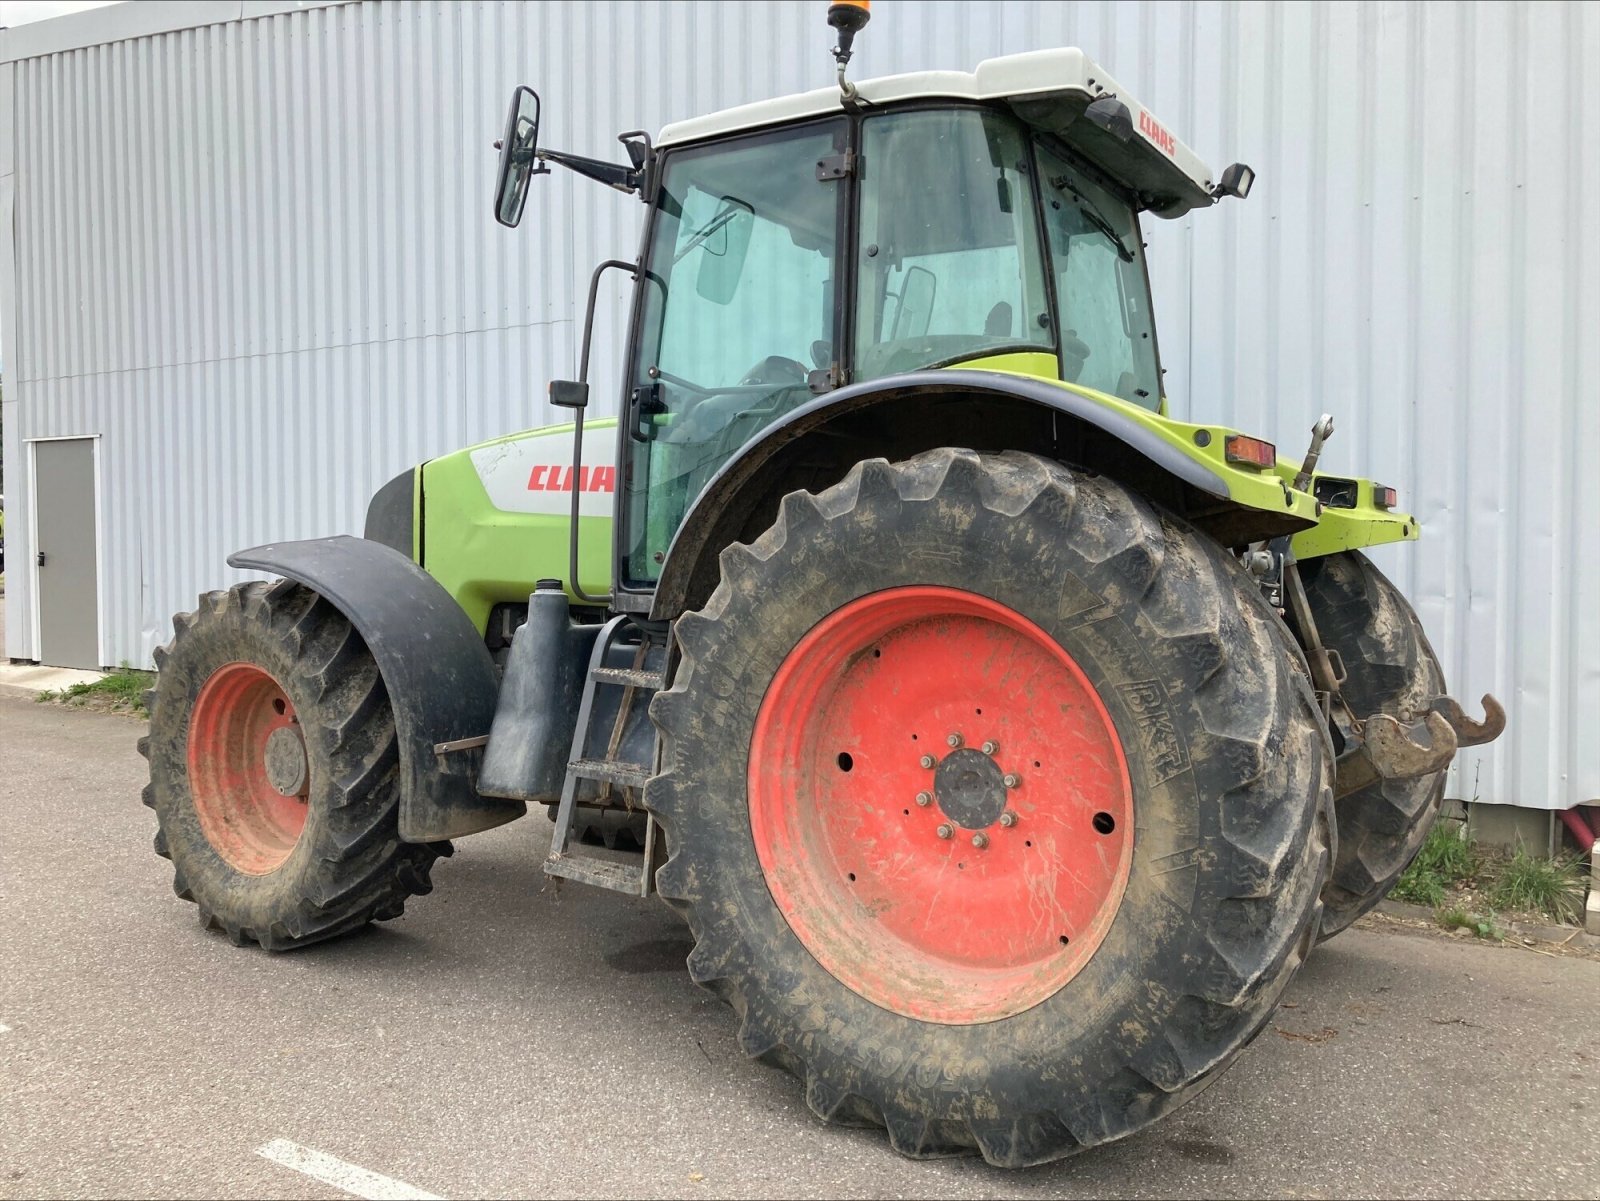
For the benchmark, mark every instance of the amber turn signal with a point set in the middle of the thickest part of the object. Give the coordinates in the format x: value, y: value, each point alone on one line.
x: 1249, y: 452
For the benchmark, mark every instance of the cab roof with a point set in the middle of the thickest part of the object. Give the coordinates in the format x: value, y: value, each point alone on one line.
x: 1048, y: 89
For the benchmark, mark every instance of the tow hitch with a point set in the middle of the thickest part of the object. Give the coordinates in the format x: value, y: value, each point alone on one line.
x: 1385, y: 748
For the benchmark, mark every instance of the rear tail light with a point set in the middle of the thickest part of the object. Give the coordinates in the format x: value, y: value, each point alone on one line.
x: 1384, y: 497
x: 1251, y: 452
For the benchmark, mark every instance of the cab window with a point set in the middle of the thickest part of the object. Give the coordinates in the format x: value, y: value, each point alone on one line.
x: 1102, y: 292
x: 738, y: 310
x: 949, y: 264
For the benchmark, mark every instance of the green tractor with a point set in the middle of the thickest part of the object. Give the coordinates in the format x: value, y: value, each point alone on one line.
x: 1005, y: 743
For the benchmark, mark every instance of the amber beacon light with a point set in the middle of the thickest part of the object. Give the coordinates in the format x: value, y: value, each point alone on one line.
x: 849, y: 17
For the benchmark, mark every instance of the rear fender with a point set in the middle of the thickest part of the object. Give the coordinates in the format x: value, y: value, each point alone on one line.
x: 1179, y: 466
x: 438, y: 674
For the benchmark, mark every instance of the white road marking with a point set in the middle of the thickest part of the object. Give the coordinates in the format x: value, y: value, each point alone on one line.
x: 358, y: 1182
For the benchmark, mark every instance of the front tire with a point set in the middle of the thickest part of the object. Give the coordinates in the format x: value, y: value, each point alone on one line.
x: 1099, y: 958
x: 274, y: 771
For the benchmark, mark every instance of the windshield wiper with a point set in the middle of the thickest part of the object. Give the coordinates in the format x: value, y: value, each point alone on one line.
x: 1094, y: 216
x: 727, y: 213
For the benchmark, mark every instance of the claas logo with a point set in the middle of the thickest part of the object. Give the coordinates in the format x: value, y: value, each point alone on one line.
x: 1151, y: 129
x: 548, y: 477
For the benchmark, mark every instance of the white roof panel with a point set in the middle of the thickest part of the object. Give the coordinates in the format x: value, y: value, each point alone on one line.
x: 1049, y: 88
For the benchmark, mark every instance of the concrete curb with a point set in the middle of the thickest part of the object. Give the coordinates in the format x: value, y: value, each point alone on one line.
x: 29, y: 680
x: 1570, y: 936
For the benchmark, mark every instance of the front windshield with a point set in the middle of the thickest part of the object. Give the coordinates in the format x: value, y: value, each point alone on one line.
x: 948, y: 259
x: 738, y: 311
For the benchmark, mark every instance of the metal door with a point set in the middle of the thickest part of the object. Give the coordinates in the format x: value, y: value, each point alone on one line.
x: 68, y: 592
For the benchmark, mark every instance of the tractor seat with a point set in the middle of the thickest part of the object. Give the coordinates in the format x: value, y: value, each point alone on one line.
x: 998, y: 323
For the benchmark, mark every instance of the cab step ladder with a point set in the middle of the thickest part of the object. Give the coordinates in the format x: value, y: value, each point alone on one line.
x: 638, y: 685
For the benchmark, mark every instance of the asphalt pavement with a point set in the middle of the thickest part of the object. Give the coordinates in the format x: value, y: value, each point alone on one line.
x: 506, y: 1038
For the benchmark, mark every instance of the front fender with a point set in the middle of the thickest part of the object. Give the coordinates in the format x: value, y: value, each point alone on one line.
x: 435, y: 667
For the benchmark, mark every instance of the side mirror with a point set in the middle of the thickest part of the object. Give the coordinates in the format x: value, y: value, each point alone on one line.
x: 718, y: 277
x: 569, y: 394
x: 518, y: 156
x: 1236, y: 181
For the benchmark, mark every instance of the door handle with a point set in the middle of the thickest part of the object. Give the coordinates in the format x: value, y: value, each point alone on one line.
x: 41, y: 558
x: 645, y: 404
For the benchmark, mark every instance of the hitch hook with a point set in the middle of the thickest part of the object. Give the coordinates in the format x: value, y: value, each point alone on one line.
x: 1390, y: 750
x: 1467, y: 731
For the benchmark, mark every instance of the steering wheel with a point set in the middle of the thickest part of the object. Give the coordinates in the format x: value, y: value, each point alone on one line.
x: 775, y: 369
x: 703, y: 414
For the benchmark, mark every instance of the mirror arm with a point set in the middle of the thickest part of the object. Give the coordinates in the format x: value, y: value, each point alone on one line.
x: 624, y: 179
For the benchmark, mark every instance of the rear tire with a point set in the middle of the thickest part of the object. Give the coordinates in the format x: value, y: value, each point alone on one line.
x: 307, y: 846
x: 1392, y: 670
x: 1228, y: 773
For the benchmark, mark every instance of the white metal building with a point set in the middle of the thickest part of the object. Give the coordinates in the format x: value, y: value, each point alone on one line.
x: 249, y: 273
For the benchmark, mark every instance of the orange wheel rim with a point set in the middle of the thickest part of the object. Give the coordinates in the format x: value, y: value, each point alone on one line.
x: 248, y: 773
x: 940, y: 804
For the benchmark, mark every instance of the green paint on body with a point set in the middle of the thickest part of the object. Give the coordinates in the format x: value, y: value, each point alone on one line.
x: 1034, y: 363
x: 484, y: 554
x: 1353, y: 529
x: 1327, y: 531
x: 487, y: 553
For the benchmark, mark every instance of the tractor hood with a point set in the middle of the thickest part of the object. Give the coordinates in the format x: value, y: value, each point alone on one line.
x: 489, y: 521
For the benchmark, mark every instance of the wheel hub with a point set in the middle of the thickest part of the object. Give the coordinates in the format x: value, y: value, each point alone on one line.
x: 940, y: 804
x: 969, y: 787
x: 286, y: 761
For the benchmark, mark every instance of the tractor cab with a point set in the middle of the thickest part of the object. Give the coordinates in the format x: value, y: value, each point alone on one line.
x: 985, y: 220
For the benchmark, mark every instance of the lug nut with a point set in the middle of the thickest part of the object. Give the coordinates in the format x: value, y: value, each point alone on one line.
x: 980, y: 840
x: 1008, y: 819
x: 926, y: 761
x: 1011, y: 779
x: 954, y: 740
x: 944, y: 830
x: 990, y: 747
x: 924, y: 799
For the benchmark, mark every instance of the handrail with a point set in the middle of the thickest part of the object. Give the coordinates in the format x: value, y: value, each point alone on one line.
x: 577, y: 428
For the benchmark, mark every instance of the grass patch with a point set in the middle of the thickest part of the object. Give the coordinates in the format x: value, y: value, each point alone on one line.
x: 1446, y: 858
x: 1554, y: 887
x: 120, y: 691
x: 1454, y: 917
x: 1467, y: 887
x: 1419, y: 888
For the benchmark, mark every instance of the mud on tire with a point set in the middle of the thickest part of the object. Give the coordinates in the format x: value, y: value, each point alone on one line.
x: 348, y: 866
x: 1233, y: 825
x: 1392, y: 670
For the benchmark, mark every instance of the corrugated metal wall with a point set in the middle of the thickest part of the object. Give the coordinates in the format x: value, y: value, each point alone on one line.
x: 257, y: 257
